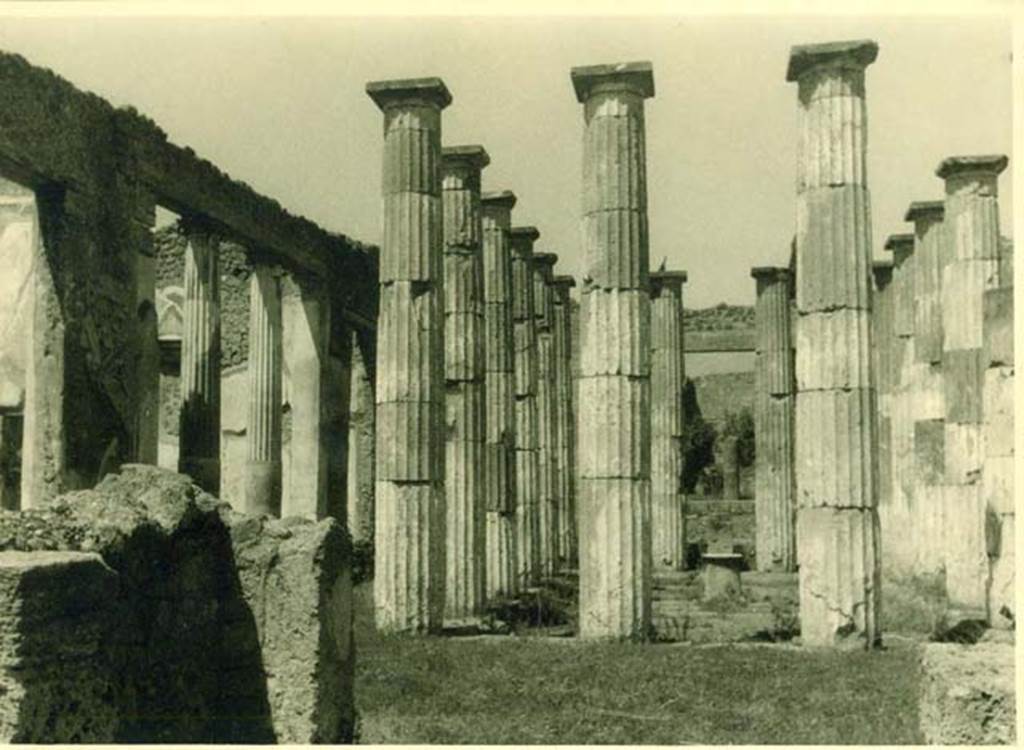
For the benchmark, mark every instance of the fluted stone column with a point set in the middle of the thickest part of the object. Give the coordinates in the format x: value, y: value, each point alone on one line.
x: 614, y: 423
x: 527, y: 437
x: 773, y: 421
x: 263, y: 431
x: 997, y: 472
x: 881, y: 364
x: 305, y: 314
x: 547, y: 418
x: 668, y: 420
x: 838, y: 546
x: 199, y: 432
x: 900, y: 533
x: 464, y: 380
x: 359, y: 476
x: 146, y: 433
x: 972, y: 236
x: 926, y: 391
x: 565, y: 415
x: 499, y: 386
x: 409, y: 538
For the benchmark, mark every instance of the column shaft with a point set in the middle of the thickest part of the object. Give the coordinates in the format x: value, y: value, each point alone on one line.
x: 838, y: 549
x: 500, y: 442
x: 527, y: 445
x: 306, y: 320
x: 667, y: 420
x: 900, y: 532
x: 997, y: 474
x: 464, y: 380
x: 361, y: 439
x: 926, y: 389
x: 199, y: 433
x: 882, y: 347
x: 547, y: 417
x: 263, y: 429
x: 564, y: 417
x: 614, y: 430
x: 146, y: 436
x: 971, y: 219
x: 773, y: 422
x: 409, y: 539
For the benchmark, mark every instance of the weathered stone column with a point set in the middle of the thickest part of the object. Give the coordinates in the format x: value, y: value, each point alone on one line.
x: 499, y: 387
x: 838, y: 547
x: 263, y: 430
x: 668, y: 420
x: 527, y: 460
x: 927, y: 412
x: 31, y: 344
x: 146, y: 434
x: 547, y: 416
x: 773, y: 421
x: 409, y: 539
x: 565, y: 417
x: 900, y: 534
x: 199, y: 433
x: 306, y: 314
x: 614, y: 428
x: 464, y: 380
x: 999, y: 453
x: 972, y: 233
x: 881, y: 365
x: 359, y: 476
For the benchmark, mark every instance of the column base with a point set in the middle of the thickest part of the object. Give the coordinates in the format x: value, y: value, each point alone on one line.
x: 204, y: 471
x: 263, y: 488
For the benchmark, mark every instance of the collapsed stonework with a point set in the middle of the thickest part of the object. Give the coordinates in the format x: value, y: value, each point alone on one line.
x: 144, y: 610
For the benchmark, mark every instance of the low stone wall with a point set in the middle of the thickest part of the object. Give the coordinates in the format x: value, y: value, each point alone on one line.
x: 198, y: 624
x: 967, y: 694
x: 721, y: 524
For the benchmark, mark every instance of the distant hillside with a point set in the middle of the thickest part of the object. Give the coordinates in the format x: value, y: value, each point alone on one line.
x: 721, y: 317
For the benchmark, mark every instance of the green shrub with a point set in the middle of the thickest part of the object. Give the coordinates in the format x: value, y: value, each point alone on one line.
x: 362, y: 561
x: 741, y: 426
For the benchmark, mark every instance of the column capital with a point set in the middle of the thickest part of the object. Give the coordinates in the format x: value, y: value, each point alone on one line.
x: 524, y: 235
x: 987, y: 164
x: 545, y: 259
x: 409, y: 91
x: 924, y: 211
x: 770, y: 273
x: 470, y: 157
x: 498, y: 199
x: 563, y: 281
x: 882, y: 272
x: 637, y: 77
x: 901, y: 246
x: 666, y: 280
x: 803, y: 57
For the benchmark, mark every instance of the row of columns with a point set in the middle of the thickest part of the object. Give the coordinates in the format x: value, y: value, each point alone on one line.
x: 288, y: 330
x: 491, y: 514
x: 938, y: 513
x: 878, y: 362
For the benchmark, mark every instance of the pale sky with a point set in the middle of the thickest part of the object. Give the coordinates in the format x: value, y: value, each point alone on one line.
x: 279, y: 103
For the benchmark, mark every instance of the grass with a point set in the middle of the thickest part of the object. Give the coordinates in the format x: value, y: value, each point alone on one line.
x: 531, y: 691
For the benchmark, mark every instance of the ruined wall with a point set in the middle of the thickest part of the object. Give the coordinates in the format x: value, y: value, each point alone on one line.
x: 98, y: 173
x: 192, y: 622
